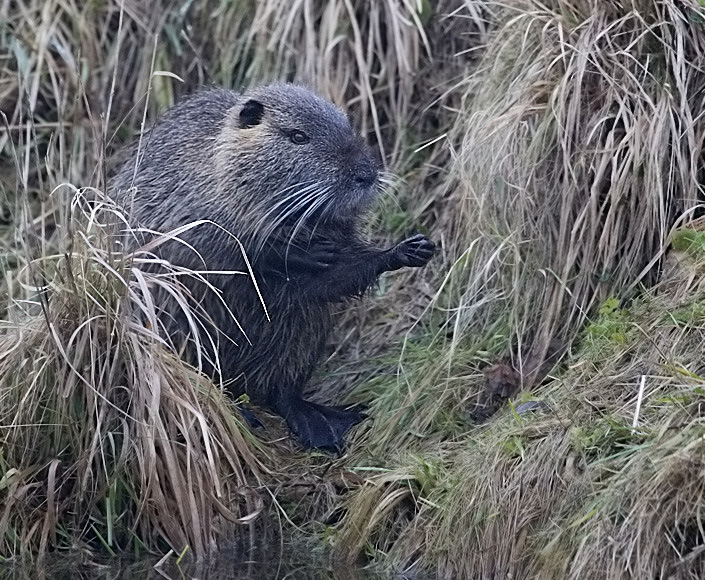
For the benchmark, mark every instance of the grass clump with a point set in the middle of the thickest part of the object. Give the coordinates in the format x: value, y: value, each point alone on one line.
x: 602, y: 478
x: 107, y: 440
x: 574, y: 157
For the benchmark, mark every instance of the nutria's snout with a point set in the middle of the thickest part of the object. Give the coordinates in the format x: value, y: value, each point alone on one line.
x: 360, y: 188
x: 359, y: 170
x: 366, y: 174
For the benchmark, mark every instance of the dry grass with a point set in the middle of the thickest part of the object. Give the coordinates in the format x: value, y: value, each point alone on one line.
x: 75, y: 62
x: 579, y: 146
x: 106, y: 438
x: 601, y: 481
x: 552, y: 176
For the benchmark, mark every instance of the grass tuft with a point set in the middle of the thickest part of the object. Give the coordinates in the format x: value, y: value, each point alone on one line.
x: 576, y: 154
x: 106, y: 437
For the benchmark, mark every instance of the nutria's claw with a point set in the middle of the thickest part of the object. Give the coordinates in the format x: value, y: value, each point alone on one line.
x: 414, y: 252
x: 320, y: 427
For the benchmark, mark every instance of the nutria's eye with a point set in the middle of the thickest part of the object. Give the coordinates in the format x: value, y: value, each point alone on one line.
x: 298, y: 137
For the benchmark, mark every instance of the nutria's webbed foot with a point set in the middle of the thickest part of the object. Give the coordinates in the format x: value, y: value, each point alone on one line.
x: 413, y: 252
x: 320, y: 427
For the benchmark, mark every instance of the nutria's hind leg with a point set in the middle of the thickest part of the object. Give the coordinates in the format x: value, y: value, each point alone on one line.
x: 318, y: 426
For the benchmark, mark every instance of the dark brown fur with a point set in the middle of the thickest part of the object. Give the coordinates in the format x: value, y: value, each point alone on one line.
x: 281, y: 169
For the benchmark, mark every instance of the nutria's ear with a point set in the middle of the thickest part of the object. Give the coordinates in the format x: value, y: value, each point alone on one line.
x: 251, y: 114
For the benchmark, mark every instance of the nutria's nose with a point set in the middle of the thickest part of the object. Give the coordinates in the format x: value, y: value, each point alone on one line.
x: 366, y: 174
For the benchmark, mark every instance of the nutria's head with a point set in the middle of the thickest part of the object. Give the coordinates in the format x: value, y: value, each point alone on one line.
x: 292, y: 157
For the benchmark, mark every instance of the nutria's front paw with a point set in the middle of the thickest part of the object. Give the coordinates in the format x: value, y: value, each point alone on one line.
x: 413, y: 252
x: 317, y: 257
x: 324, y: 253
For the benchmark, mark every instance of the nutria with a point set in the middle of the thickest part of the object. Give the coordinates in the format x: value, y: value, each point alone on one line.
x: 282, y: 170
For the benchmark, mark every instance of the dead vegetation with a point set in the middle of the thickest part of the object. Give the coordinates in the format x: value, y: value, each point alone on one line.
x: 578, y: 148
x: 108, y: 441
x: 551, y: 147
